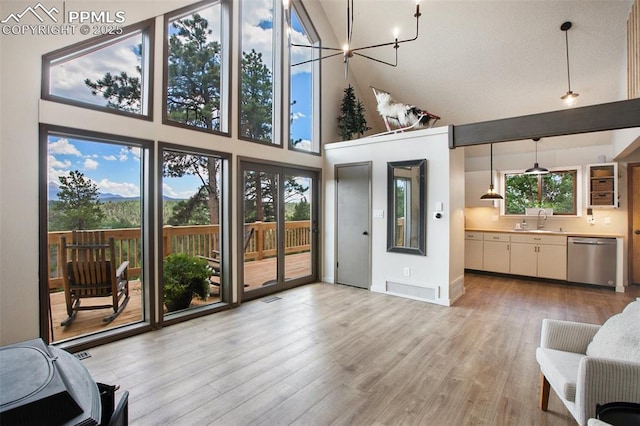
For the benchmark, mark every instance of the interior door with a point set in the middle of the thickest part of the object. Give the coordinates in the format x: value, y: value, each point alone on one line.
x: 353, y: 225
x: 634, y: 221
x: 279, y: 228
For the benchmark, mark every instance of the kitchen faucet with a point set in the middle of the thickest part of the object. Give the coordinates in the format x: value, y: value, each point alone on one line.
x: 538, y: 224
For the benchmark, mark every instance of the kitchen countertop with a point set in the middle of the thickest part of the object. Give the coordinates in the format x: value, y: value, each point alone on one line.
x: 547, y: 232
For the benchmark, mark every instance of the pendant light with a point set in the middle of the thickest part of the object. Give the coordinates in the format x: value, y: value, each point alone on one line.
x: 536, y: 169
x: 491, y: 192
x: 570, y: 98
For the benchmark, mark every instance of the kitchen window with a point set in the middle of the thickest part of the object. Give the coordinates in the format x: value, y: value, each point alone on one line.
x: 557, y: 190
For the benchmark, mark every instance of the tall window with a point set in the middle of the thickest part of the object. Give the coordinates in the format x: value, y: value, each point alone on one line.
x: 303, y: 83
x: 197, y: 66
x: 111, y: 72
x: 94, y: 182
x: 257, y: 70
x: 556, y: 190
x: 192, y: 235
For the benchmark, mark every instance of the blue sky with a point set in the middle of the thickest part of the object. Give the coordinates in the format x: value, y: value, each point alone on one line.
x: 115, y: 169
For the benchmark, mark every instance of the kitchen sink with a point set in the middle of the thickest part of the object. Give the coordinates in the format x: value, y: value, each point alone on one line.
x: 536, y: 231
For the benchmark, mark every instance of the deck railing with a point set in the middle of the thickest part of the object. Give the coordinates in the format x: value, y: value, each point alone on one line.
x: 195, y: 240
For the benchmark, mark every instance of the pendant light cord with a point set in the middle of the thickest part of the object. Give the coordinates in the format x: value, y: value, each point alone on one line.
x: 566, y: 42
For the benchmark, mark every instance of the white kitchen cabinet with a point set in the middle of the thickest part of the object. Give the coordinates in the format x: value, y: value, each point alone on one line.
x: 495, y: 252
x: 473, y: 250
x: 543, y: 256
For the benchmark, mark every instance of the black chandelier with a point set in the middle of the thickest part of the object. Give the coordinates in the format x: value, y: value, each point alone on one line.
x: 348, y: 51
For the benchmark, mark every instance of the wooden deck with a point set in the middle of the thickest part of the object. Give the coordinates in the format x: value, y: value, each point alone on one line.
x: 86, y: 322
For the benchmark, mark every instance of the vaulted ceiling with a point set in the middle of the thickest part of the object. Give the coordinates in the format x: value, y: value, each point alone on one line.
x: 478, y: 60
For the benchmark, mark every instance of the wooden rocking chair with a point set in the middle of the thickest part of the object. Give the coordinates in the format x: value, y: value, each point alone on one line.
x: 89, y: 271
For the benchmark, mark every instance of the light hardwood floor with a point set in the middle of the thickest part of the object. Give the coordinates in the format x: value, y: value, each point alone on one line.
x: 329, y: 354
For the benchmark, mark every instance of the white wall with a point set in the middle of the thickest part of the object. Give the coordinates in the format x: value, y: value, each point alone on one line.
x: 442, y: 267
x: 21, y: 110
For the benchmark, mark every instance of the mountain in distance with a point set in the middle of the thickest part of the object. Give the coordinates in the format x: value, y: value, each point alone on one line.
x: 104, y: 196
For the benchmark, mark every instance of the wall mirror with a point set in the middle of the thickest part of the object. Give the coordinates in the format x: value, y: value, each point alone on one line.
x: 406, y: 181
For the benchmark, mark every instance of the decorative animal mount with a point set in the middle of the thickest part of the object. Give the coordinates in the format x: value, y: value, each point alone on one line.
x: 402, y: 116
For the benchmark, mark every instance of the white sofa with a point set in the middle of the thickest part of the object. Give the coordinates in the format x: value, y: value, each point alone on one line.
x: 589, y: 364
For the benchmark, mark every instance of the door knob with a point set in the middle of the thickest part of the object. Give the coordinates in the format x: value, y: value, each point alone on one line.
x: 637, y: 232
x: 365, y: 233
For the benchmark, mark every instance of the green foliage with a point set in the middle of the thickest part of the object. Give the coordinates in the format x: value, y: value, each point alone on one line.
x: 301, y: 210
x: 260, y: 195
x: 256, y: 105
x: 193, y: 75
x: 553, y: 190
x: 121, y: 91
x: 79, y: 206
x: 184, y: 277
x: 203, y: 207
x: 351, y: 120
x: 193, y: 211
x: 121, y: 214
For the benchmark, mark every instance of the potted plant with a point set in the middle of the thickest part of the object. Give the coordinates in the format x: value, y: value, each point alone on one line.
x: 184, y: 277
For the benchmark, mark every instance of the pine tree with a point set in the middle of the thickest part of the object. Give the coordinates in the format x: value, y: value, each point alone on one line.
x: 351, y: 120
x: 79, y: 204
x: 256, y: 98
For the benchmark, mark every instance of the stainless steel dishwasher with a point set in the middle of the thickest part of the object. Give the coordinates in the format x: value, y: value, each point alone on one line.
x: 591, y: 260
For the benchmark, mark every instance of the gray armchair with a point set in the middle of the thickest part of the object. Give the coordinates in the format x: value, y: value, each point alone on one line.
x: 588, y: 364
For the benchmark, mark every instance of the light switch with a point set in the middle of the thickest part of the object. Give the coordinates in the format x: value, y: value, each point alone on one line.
x: 378, y: 214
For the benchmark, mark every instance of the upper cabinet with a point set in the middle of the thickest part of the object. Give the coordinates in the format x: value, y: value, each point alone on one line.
x: 602, y: 185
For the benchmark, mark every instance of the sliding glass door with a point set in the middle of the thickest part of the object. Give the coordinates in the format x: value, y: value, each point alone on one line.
x: 278, y: 228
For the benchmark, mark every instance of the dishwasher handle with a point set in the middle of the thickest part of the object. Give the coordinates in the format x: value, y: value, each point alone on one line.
x: 593, y: 242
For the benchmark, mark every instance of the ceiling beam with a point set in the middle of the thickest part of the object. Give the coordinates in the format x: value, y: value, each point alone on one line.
x: 593, y: 118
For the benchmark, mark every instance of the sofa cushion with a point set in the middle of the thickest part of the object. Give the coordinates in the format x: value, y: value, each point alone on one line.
x: 619, y: 336
x: 561, y: 370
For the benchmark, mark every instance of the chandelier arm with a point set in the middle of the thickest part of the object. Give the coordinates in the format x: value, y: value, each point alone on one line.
x: 391, y: 43
x: 317, y: 47
x: 316, y: 59
x: 379, y: 60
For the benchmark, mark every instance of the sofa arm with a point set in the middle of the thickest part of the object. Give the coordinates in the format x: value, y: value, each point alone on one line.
x: 603, y: 380
x: 567, y: 336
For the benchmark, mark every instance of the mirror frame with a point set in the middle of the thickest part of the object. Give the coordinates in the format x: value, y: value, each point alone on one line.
x: 422, y: 239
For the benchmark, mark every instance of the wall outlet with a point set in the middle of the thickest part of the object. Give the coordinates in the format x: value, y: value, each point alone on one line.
x: 607, y: 219
x: 407, y: 271
x: 495, y: 218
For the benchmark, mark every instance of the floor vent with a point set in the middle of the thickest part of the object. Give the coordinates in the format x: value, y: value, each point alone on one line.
x: 82, y: 355
x: 270, y: 299
x: 418, y: 292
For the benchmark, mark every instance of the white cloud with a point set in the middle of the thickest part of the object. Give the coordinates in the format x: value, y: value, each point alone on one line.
x: 90, y: 164
x: 109, y: 157
x: 304, y: 144
x: 119, y: 188
x: 297, y: 115
x: 67, y: 78
x: 63, y: 147
x: 54, y: 163
x: 168, y: 191
x: 123, y: 155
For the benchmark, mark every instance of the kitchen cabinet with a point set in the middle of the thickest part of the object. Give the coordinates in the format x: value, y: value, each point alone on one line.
x: 543, y: 256
x: 602, y: 185
x: 495, y: 256
x: 473, y: 250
